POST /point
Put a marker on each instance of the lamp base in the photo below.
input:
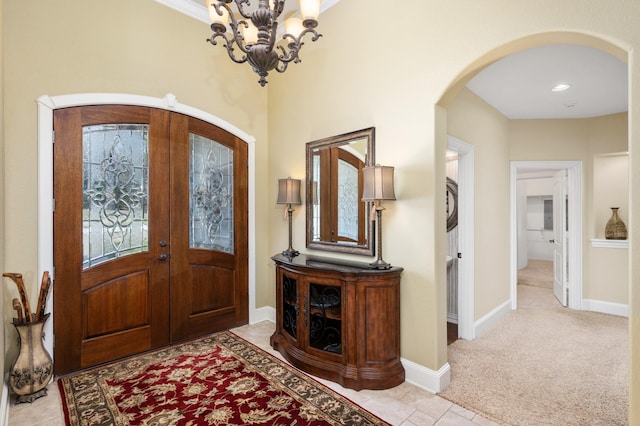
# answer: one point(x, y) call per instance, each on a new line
point(380, 264)
point(290, 252)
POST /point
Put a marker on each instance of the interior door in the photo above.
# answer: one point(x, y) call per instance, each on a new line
point(560, 281)
point(148, 248)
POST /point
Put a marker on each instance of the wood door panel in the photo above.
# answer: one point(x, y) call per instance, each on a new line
point(107, 348)
point(117, 305)
point(212, 289)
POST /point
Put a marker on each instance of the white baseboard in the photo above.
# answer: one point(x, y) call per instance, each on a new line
point(4, 401)
point(610, 308)
point(266, 313)
point(426, 378)
point(452, 318)
point(487, 321)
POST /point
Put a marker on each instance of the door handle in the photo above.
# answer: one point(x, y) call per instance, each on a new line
point(163, 257)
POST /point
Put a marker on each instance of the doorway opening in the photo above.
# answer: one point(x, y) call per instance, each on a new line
point(460, 240)
point(546, 228)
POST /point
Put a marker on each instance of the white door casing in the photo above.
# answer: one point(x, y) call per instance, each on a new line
point(466, 288)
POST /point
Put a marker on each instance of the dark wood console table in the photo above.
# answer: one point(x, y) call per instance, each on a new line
point(339, 320)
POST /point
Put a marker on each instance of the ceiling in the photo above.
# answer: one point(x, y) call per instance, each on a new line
point(519, 85)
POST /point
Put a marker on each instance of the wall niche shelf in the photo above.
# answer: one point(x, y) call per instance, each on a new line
point(339, 320)
point(602, 243)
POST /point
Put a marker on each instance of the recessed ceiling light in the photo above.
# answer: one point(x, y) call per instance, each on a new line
point(560, 87)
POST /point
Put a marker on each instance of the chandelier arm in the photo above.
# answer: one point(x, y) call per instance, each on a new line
point(240, 5)
point(229, 46)
point(237, 34)
point(278, 7)
point(295, 45)
point(282, 66)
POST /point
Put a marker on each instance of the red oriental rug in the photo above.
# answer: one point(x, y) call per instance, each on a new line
point(218, 380)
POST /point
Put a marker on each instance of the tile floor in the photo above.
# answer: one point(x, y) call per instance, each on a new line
point(404, 405)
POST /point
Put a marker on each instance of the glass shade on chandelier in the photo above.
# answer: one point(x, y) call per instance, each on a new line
point(378, 186)
point(254, 32)
point(289, 193)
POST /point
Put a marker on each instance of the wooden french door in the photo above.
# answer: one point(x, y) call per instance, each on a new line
point(150, 232)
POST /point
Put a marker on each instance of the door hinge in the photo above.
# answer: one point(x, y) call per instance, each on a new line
point(53, 136)
point(459, 255)
point(53, 205)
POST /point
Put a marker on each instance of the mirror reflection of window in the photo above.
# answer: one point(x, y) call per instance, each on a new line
point(347, 201)
point(315, 197)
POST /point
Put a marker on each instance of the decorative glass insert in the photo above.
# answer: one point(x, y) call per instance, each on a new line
point(347, 200)
point(115, 182)
point(315, 196)
point(211, 195)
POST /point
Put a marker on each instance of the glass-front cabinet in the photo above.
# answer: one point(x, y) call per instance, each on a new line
point(325, 320)
point(311, 313)
point(339, 321)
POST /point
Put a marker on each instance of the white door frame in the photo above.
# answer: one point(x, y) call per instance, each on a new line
point(574, 244)
point(46, 106)
point(466, 292)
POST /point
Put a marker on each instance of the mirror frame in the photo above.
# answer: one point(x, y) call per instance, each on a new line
point(334, 141)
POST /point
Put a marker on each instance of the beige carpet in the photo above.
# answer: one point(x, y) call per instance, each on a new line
point(545, 365)
point(538, 273)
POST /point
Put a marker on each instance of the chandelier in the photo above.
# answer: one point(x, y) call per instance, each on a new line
point(255, 32)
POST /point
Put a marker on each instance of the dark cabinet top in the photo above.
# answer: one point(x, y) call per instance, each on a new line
point(331, 264)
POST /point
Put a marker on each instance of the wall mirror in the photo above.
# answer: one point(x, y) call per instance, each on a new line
point(337, 218)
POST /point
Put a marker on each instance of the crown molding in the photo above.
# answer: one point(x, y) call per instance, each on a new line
point(199, 11)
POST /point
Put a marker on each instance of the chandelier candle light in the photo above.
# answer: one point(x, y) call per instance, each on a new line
point(255, 32)
point(378, 186)
point(289, 193)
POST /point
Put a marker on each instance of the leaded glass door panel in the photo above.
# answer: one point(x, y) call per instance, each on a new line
point(149, 247)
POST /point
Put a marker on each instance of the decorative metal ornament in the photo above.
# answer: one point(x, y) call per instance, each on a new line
point(262, 53)
point(452, 204)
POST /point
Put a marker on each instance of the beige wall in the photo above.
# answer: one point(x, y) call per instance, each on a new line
point(473, 121)
point(2, 214)
point(134, 47)
point(404, 86)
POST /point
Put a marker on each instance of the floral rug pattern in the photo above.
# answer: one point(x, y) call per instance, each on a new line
point(218, 380)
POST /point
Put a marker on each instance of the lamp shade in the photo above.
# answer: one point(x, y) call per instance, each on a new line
point(289, 191)
point(378, 183)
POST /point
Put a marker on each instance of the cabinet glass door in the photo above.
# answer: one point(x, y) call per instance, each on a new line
point(325, 318)
point(290, 305)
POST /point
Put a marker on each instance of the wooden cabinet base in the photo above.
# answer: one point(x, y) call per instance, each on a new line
point(339, 321)
point(349, 376)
